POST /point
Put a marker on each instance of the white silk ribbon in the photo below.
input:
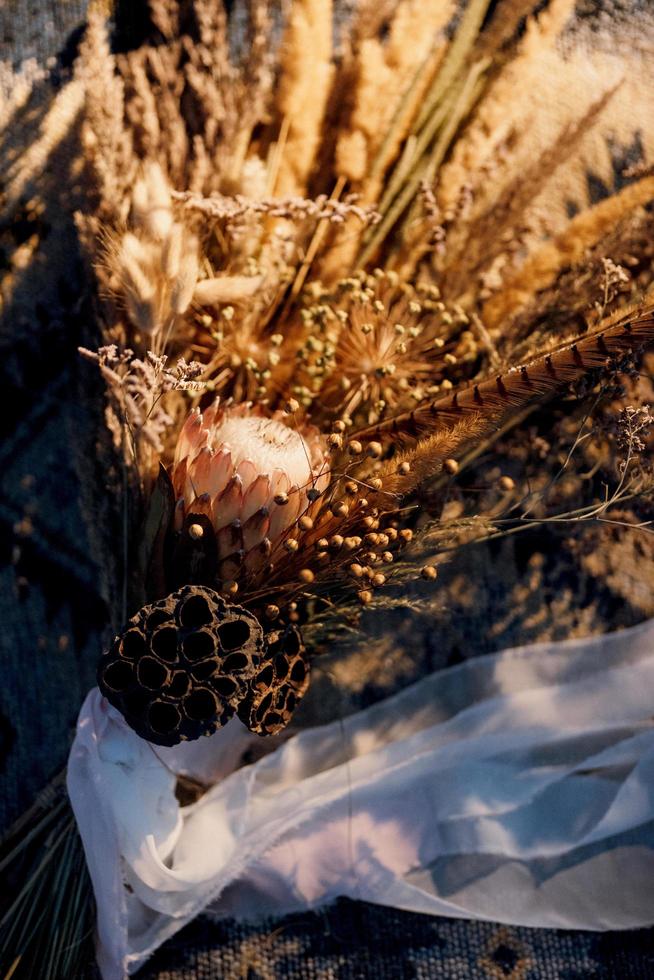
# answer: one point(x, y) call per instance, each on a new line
point(517, 787)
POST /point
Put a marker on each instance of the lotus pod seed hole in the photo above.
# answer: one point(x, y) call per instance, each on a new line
point(298, 671)
point(118, 676)
point(235, 662)
point(164, 644)
point(234, 634)
point(151, 673)
point(292, 643)
point(156, 618)
point(133, 644)
point(178, 685)
point(265, 704)
point(196, 612)
point(199, 645)
point(201, 705)
point(203, 670)
point(265, 678)
point(281, 666)
point(225, 686)
point(163, 718)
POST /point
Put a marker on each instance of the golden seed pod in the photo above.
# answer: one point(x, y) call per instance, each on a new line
point(195, 531)
point(505, 483)
point(281, 499)
point(365, 596)
point(429, 572)
point(335, 441)
point(339, 509)
point(376, 483)
point(391, 533)
point(406, 534)
point(374, 450)
point(230, 587)
point(387, 557)
point(305, 523)
point(291, 406)
point(451, 466)
point(338, 426)
point(336, 542)
point(312, 494)
point(354, 447)
point(306, 575)
point(351, 488)
point(272, 611)
point(291, 545)
point(378, 579)
point(356, 569)
point(322, 543)
point(404, 468)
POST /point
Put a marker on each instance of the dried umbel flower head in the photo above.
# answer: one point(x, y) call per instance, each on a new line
point(375, 345)
point(244, 480)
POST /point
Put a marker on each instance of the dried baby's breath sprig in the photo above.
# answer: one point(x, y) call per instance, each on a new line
point(136, 387)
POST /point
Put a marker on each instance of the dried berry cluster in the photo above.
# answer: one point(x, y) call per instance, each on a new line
point(184, 665)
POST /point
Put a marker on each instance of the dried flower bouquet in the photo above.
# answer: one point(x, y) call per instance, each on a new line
point(334, 259)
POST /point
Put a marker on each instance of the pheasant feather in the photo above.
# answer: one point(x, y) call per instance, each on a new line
point(494, 400)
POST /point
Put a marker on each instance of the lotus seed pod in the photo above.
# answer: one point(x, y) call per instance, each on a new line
point(280, 684)
point(181, 666)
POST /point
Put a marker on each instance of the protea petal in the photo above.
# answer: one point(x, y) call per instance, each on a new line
point(247, 472)
point(229, 539)
point(283, 516)
point(227, 507)
point(256, 529)
point(257, 496)
point(189, 434)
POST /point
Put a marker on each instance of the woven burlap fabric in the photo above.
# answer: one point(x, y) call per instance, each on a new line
point(54, 586)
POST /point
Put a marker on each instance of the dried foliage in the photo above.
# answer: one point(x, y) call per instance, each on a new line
point(247, 185)
point(339, 258)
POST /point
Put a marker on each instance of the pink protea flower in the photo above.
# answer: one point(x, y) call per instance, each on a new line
point(251, 477)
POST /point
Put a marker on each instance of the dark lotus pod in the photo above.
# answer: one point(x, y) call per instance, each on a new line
point(278, 686)
point(181, 666)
